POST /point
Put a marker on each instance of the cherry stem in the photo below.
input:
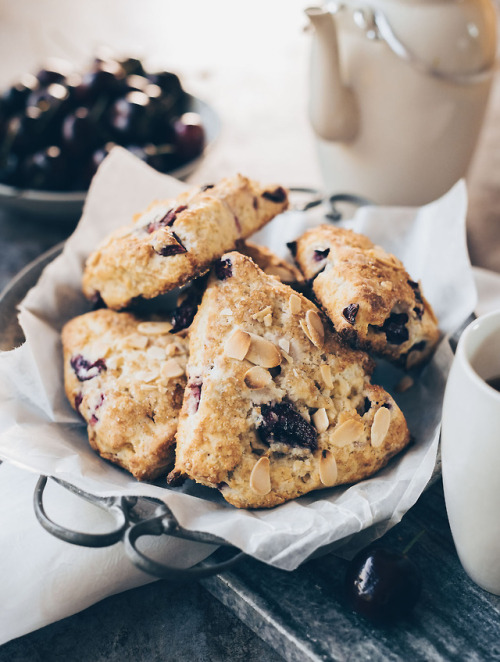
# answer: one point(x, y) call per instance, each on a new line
point(413, 541)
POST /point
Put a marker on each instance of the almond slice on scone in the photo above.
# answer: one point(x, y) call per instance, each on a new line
point(275, 411)
point(368, 294)
point(126, 377)
point(175, 241)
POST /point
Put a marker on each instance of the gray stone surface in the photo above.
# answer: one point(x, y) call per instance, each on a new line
point(159, 621)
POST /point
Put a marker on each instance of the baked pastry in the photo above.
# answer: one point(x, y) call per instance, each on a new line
point(276, 405)
point(270, 263)
point(190, 297)
point(175, 241)
point(126, 377)
point(367, 294)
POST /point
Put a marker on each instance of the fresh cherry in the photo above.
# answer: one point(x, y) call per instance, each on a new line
point(47, 169)
point(80, 135)
point(382, 584)
point(14, 98)
point(189, 136)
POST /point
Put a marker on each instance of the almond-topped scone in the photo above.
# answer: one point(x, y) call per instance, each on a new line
point(190, 297)
point(175, 241)
point(276, 405)
point(367, 293)
point(126, 377)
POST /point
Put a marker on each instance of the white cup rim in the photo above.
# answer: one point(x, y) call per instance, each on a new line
point(464, 349)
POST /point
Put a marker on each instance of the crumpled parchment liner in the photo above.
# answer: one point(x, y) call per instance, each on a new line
point(40, 431)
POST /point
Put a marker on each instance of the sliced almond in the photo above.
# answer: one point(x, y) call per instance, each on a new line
point(146, 375)
point(380, 426)
point(320, 420)
point(284, 343)
point(315, 327)
point(237, 345)
point(295, 304)
point(154, 328)
point(171, 369)
point(156, 353)
point(136, 342)
point(347, 433)
point(326, 375)
point(262, 313)
point(148, 387)
point(260, 478)
point(328, 469)
point(257, 377)
point(263, 352)
point(281, 272)
point(268, 320)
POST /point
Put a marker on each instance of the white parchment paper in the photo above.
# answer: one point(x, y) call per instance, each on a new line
point(39, 430)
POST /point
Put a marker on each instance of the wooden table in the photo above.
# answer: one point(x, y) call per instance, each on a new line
point(250, 62)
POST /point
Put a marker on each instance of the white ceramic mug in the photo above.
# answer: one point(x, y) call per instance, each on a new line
point(470, 440)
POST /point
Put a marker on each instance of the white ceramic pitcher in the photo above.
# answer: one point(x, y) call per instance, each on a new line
point(399, 89)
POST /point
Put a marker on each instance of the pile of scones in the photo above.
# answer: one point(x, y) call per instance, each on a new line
point(258, 382)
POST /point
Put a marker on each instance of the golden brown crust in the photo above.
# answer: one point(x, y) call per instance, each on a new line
point(174, 241)
point(368, 295)
point(126, 377)
point(270, 263)
point(246, 325)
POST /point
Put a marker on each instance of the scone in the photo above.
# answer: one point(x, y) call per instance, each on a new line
point(190, 297)
point(270, 263)
point(368, 295)
point(276, 405)
point(126, 377)
point(175, 241)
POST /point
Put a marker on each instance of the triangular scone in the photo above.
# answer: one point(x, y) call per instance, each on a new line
point(174, 241)
point(368, 295)
point(126, 377)
point(270, 263)
point(276, 405)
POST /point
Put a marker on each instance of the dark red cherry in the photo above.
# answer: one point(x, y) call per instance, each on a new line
point(25, 132)
point(54, 71)
point(129, 118)
point(80, 134)
point(382, 584)
point(15, 98)
point(106, 81)
point(47, 170)
point(189, 136)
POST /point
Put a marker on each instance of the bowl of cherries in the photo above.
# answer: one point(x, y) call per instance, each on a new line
point(56, 127)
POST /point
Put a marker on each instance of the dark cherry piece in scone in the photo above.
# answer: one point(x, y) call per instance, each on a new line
point(368, 295)
point(126, 377)
point(175, 241)
point(276, 405)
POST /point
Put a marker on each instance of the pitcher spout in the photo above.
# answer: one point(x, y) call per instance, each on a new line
point(333, 109)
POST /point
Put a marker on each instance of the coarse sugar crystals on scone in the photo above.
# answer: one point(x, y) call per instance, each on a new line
point(175, 241)
point(368, 294)
point(126, 377)
point(275, 405)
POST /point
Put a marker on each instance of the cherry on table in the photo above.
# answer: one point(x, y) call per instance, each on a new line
point(382, 584)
